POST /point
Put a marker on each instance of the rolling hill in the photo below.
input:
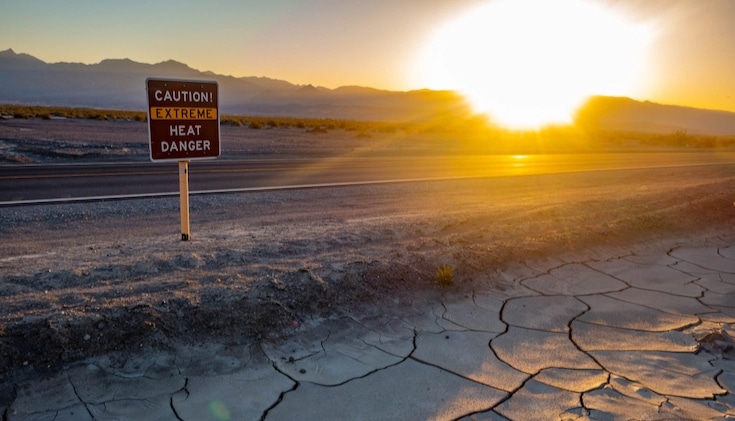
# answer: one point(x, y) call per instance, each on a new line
point(619, 113)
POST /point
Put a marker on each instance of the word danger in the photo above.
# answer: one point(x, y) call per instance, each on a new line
point(185, 146)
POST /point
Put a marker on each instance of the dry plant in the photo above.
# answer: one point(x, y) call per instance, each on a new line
point(444, 275)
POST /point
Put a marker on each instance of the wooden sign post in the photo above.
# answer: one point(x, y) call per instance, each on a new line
point(184, 200)
point(183, 125)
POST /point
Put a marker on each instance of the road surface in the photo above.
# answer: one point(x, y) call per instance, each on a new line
point(27, 184)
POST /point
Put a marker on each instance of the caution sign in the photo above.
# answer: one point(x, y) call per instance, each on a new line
point(183, 120)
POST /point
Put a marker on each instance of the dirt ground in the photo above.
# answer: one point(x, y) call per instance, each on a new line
point(85, 279)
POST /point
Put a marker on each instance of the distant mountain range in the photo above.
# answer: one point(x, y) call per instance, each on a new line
point(120, 84)
point(617, 113)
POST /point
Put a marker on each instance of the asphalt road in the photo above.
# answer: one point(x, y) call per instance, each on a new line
point(27, 184)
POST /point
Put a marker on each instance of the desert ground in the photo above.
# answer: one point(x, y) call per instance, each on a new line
point(85, 279)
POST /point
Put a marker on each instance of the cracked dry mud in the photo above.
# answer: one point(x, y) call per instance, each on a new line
point(622, 350)
point(604, 295)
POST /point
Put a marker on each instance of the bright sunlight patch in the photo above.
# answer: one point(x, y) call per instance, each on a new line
point(529, 63)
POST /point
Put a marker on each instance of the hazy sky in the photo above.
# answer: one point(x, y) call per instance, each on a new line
point(690, 59)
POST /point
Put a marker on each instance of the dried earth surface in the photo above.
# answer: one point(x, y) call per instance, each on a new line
point(111, 278)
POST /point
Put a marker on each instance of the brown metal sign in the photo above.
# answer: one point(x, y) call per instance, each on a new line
point(183, 119)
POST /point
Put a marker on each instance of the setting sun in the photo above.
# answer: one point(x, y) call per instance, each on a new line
point(529, 63)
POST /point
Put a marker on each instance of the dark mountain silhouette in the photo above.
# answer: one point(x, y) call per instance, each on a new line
point(22, 61)
point(620, 113)
point(120, 84)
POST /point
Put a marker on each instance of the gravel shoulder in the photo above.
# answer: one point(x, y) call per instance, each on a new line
point(85, 279)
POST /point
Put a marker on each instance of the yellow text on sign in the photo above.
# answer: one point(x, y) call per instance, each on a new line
point(183, 113)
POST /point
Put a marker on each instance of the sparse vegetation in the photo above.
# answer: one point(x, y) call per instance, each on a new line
point(471, 135)
point(313, 125)
point(444, 275)
point(47, 113)
point(317, 130)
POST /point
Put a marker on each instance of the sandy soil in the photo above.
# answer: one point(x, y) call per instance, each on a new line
point(112, 277)
point(81, 140)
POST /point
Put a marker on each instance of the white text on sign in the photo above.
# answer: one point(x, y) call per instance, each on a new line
point(185, 96)
point(185, 146)
point(182, 130)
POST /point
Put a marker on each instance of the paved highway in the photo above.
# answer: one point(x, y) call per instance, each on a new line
point(26, 184)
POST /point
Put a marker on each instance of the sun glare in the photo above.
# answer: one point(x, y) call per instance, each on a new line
point(530, 63)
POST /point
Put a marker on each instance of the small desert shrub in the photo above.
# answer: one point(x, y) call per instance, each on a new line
point(316, 130)
point(444, 275)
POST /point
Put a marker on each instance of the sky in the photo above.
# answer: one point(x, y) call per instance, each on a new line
point(686, 53)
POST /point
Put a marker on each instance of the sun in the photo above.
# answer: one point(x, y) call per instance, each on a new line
point(530, 63)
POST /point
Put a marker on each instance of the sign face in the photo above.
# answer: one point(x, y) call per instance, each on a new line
point(183, 120)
